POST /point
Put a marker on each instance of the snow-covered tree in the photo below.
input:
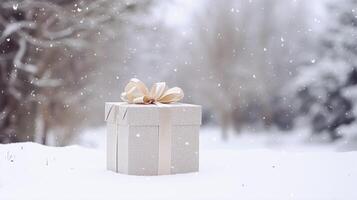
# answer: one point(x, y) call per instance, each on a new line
point(48, 53)
point(326, 85)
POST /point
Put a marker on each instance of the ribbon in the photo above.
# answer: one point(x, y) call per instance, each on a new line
point(165, 134)
point(136, 92)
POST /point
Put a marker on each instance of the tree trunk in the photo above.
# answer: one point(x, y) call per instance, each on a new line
point(225, 125)
point(44, 133)
point(42, 123)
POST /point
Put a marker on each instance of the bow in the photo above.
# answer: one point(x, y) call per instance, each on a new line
point(136, 92)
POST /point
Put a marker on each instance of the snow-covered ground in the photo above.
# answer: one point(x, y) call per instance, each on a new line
point(247, 167)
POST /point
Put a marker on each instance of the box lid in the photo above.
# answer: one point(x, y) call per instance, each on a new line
point(139, 114)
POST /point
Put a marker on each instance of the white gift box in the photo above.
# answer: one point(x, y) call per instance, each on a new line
point(154, 139)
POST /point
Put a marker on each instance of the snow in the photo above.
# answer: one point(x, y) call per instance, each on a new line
point(227, 171)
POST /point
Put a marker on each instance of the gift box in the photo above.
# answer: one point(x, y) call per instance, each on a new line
point(152, 139)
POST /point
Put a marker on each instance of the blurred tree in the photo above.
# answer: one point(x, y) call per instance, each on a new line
point(327, 86)
point(47, 54)
point(242, 57)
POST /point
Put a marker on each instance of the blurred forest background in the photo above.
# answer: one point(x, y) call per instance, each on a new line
point(251, 64)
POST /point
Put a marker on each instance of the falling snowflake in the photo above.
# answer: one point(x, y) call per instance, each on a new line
point(15, 6)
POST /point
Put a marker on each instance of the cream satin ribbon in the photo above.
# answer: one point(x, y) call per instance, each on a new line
point(136, 92)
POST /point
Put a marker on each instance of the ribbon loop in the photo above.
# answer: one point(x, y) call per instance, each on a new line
point(136, 92)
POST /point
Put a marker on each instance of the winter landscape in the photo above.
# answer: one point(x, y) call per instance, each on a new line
point(277, 82)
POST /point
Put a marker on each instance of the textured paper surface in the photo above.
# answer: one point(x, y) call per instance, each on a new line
point(143, 151)
point(111, 147)
point(185, 149)
point(134, 149)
